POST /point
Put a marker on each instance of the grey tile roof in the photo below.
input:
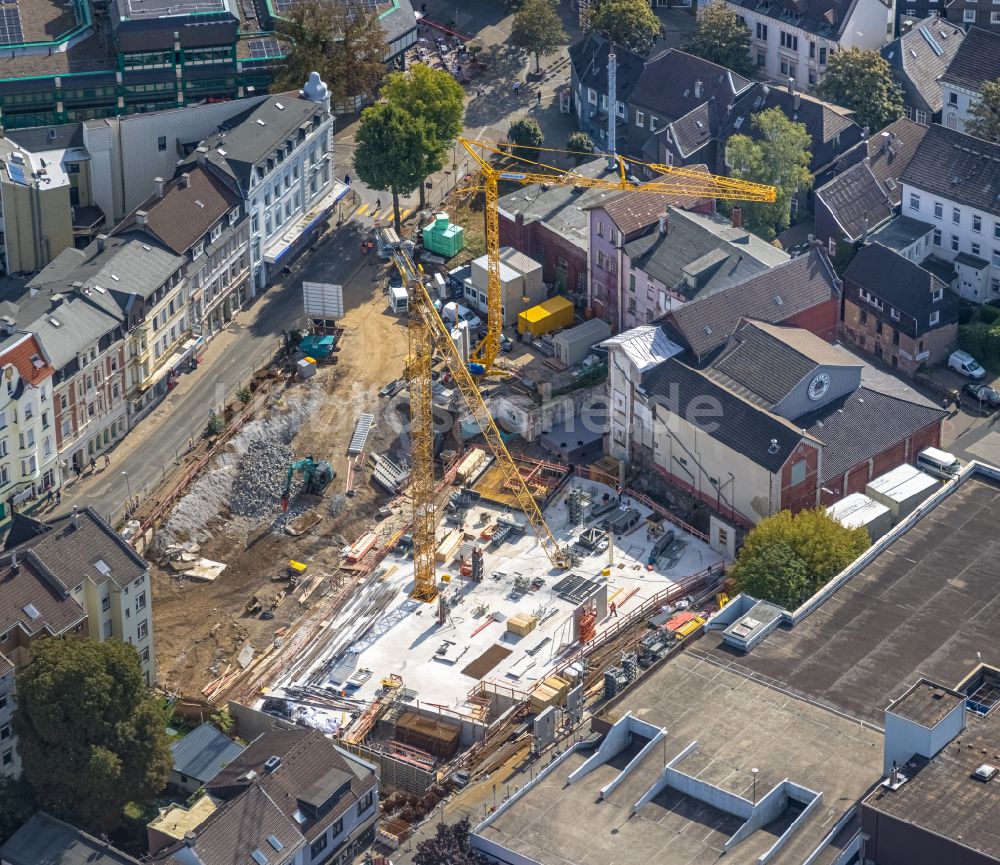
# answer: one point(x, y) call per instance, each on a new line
point(856, 200)
point(822, 17)
point(589, 57)
point(801, 283)
point(44, 840)
point(695, 129)
point(735, 253)
point(744, 427)
point(864, 424)
point(977, 60)
point(38, 138)
point(667, 85)
point(633, 212)
point(957, 167)
point(903, 284)
point(33, 585)
point(203, 753)
point(920, 57)
point(71, 553)
point(766, 367)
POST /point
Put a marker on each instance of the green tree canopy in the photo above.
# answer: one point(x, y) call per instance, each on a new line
point(721, 38)
point(346, 47)
point(984, 119)
point(438, 100)
point(91, 738)
point(527, 135)
point(862, 81)
point(449, 844)
point(392, 151)
point(787, 557)
point(580, 144)
point(538, 29)
point(632, 24)
point(778, 155)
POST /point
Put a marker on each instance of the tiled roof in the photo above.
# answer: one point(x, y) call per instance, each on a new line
point(976, 60)
point(43, 840)
point(589, 57)
point(709, 247)
point(767, 368)
point(902, 284)
point(958, 168)
point(901, 233)
point(744, 427)
point(185, 212)
point(203, 753)
point(801, 283)
point(864, 424)
point(27, 356)
point(667, 86)
point(890, 151)
point(920, 57)
point(635, 211)
point(695, 129)
point(72, 553)
point(822, 17)
point(856, 200)
point(33, 599)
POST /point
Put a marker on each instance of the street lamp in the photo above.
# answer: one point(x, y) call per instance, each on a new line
point(754, 772)
point(128, 486)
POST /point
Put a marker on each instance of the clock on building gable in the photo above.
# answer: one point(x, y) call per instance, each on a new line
point(819, 385)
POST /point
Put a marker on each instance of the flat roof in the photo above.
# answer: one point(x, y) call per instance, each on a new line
point(136, 10)
point(90, 54)
point(904, 482)
point(926, 703)
point(740, 725)
point(856, 510)
point(942, 797)
point(921, 609)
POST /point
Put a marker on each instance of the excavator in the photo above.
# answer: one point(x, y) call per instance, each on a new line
point(316, 474)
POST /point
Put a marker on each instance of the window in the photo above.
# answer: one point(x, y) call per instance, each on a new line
point(953, 99)
point(161, 143)
point(822, 55)
point(631, 282)
point(198, 249)
point(937, 236)
point(4, 732)
point(640, 119)
point(789, 69)
point(996, 257)
point(337, 828)
point(144, 654)
point(612, 236)
point(812, 77)
point(3, 698)
point(996, 230)
point(318, 846)
point(620, 109)
point(956, 216)
point(140, 601)
point(954, 243)
point(969, 16)
point(599, 227)
point(994, 17)
point(938, 210)
point(894, 314)
point(920, 117)
point(974, 249)
point(798, 472)
point(977, 223)
point(935, 318)
point(105, 603)
point(8, 757)
point(761, 59)
point(761, 31)
point(812, 50)
point(914, 201)
point(143, 630)
point(366, 803)
point(652, 123)
point(592, 96)
point(789, 41)
point(937, 294)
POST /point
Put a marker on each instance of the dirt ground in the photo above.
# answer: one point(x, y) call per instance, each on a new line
point(201, 627)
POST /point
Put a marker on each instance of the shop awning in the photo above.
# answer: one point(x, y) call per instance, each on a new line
point(304, 223)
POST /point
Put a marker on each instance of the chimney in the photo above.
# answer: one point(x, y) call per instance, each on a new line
point(796, 101)
point(791, 84)
point(75, 519)
point(159, 186)
point(141, 217)
point(15, 568)
point(8, 325)
point(893, 775)
point(186, 178)
point(737, 216)
point(697, 89)
point(664, 223)
point(102, 242)
point(202, 152)
point(190, 838)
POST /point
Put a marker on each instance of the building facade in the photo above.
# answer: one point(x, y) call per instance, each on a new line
point(976, 61)
point(918, 58)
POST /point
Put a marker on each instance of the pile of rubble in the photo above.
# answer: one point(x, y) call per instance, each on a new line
point(258, 484)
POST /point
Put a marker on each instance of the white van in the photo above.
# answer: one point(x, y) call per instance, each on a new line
point(939, 463)
point(452, 313)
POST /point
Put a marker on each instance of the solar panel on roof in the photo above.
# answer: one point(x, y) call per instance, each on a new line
point(931, 41)
point(11, 32)
point(16, 173)
point(260, 48)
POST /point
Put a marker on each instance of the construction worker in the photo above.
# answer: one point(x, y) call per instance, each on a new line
point(614, 610)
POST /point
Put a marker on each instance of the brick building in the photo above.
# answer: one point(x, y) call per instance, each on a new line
point(895, 310)
point(780, 419)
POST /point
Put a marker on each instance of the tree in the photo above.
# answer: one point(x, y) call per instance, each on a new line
point(345, 46)
point(862, 81)
point(984, 119)
point(436, 98)
point(526, 134)
point(629, 23)
point(580, 144)
point(538, 29)
point(787, 557)
point(91, 738)
point(391, 152)
point(721, 38)
point(17, 804)
point(450, 845)
point(778, 155)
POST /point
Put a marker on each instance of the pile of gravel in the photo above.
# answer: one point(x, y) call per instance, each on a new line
point(258, 484)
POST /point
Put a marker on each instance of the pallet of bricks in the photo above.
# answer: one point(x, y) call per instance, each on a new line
point(434, 735)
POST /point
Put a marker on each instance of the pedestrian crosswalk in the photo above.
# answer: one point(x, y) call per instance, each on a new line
point(384, 215)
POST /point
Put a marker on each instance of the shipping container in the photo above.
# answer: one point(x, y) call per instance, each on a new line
point(553, 314)
point(574, 344)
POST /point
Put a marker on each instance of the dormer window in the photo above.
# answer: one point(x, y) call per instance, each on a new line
point(937, 295)
point(198, 249)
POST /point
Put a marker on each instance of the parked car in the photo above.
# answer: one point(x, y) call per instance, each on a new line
point(983, 394)
point(965, 364)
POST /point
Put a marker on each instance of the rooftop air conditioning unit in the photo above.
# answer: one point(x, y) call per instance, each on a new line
point(985, 773)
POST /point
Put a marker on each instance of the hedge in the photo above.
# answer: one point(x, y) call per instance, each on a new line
point(982, 341)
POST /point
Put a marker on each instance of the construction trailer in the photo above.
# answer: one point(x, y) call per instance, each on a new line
point(399, 300)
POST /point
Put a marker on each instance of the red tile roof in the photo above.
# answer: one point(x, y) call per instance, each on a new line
point(27, 356)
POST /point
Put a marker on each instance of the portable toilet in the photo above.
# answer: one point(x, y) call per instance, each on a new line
point(399, 300)
point(440, 285)
point(444, 238)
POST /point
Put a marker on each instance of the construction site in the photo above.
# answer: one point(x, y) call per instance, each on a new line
point(421, 550)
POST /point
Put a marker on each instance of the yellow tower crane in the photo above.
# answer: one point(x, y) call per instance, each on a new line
point(676, 181)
